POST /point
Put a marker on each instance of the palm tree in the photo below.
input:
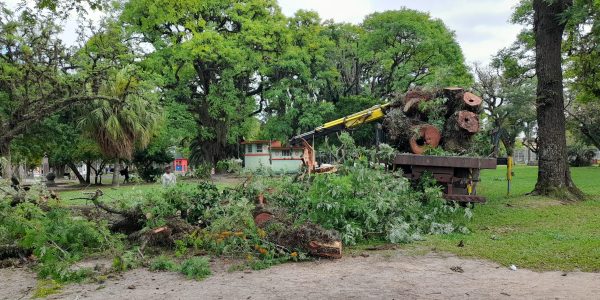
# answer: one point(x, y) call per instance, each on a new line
point(119, 127)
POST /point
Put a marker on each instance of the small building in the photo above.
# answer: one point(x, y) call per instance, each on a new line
point(263, 154)
point(180, 165)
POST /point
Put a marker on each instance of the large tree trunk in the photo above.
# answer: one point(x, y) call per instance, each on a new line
point(509, 145)
point(554, 177)
point(88, 171)
point(5, 153)
point(116, 171)
point(73, 168)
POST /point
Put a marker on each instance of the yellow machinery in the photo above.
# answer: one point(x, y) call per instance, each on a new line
point(372, 114)
point(458, 175)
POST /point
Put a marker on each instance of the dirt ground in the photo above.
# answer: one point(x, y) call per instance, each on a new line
point(392, 274)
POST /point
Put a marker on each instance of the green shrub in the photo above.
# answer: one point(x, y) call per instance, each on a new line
point(197, 268)
point(163, 263)
point(202, 171)
point(580, 155)
point(231, 166)
point(127, 261)
point(146, 161)
point(192, 202)
point(57, 238)
point(364, 203)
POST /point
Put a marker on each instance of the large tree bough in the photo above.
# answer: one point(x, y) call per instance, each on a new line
point(132, 224)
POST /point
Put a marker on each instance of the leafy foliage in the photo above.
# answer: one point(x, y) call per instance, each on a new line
point(163, 263)
point(407, 47)
point(57, 238)
point(146, 163)
point(580, 155)
point(229, 166)
point(192, 202)
point(196, 268)
point(363, 202)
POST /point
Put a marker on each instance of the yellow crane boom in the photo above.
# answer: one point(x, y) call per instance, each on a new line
point(372, 114)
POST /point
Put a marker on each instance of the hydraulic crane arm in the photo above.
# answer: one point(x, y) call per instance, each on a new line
point(372, 114)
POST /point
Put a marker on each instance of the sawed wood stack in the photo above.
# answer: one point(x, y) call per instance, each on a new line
point(421, 120)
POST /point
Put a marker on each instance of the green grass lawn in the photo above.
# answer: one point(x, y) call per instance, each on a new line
point(532, 232)
point(123, 192)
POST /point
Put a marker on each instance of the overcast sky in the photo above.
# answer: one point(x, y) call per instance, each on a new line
point(481, 26)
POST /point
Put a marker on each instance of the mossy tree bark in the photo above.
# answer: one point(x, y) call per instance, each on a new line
point(554, 177)
point(5, 153)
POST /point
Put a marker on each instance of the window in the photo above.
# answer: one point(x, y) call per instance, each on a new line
point(286, 153)
point(249, 148)
point(259, 148)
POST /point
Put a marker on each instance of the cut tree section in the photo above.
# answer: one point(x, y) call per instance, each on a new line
point(468, 121)
point(413, 98)
point(428, 137)
point(471, 99)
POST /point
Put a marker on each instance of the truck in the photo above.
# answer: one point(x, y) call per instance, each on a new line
point(459, 175)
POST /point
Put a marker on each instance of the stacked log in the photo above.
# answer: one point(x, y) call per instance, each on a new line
point(413, 126)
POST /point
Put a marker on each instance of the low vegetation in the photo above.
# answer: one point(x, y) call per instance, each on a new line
point(361, 202)
point(196, 268)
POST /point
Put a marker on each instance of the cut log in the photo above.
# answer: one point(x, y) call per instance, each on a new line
point(472, 100)
point(397, 126)
point(262, 218)
point(428, 136)
point(308, 237)
point(409, 125)
point(412, 100)
point(13, 251)
point(458, 99)
point(328, 250)
point(468, 121)
point(458, 131)
point(452, 93)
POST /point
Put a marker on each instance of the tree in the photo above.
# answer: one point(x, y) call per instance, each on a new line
point(119, 127)
point(583, 49)
point(175, 133)
point(214, 56)
point(554, 177)
point(298, 98)
point(585, 122)
point(508, 104)
point(37, 75)
point(344, 56)
point(403, 48)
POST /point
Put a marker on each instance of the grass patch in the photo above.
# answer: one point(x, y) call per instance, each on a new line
point(196, 268)
point(45, 288)
point(531, 232)
point(163, 263)
point(111, 194)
